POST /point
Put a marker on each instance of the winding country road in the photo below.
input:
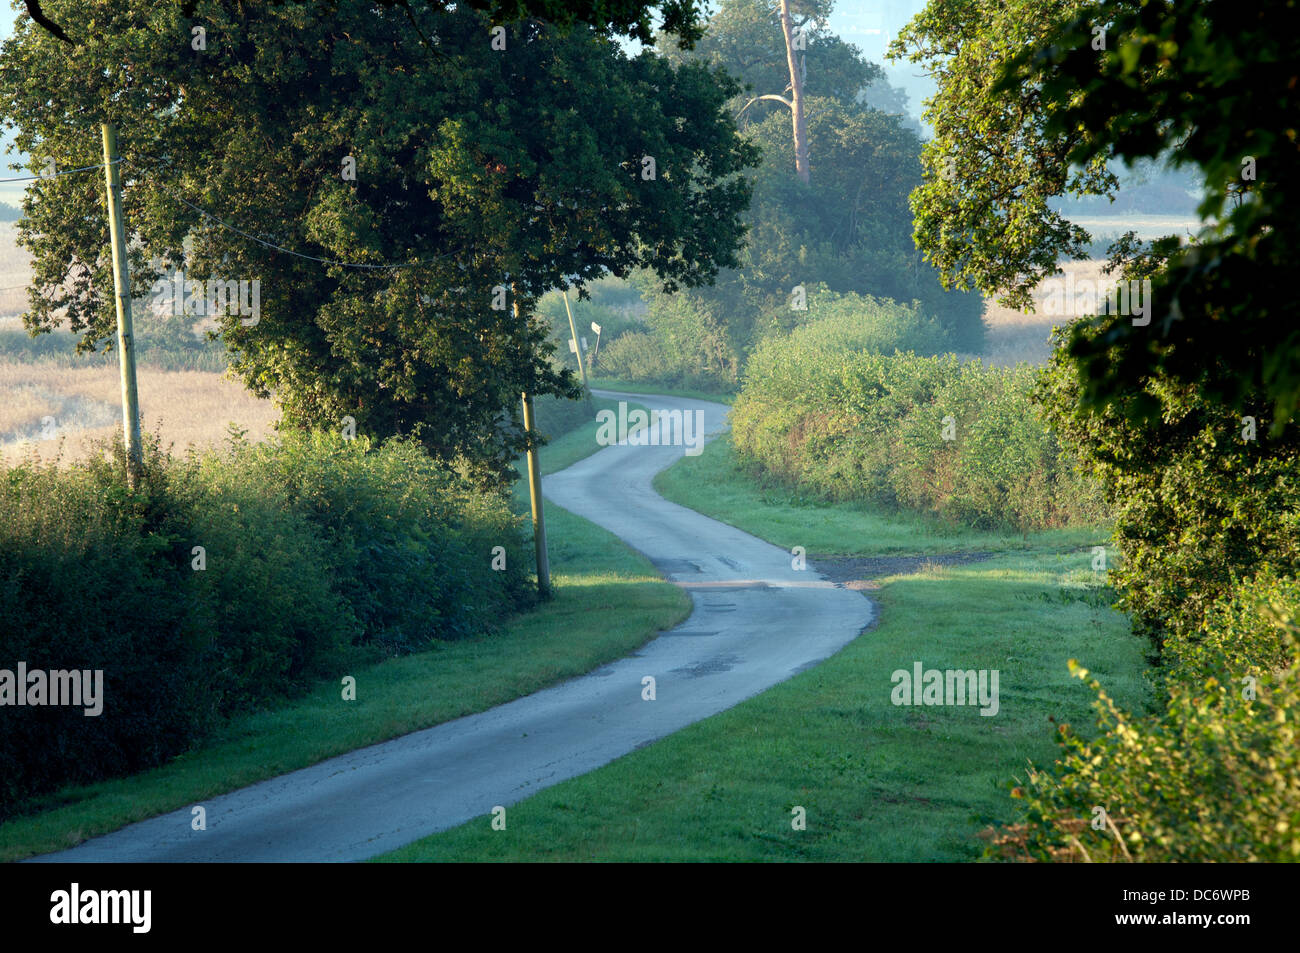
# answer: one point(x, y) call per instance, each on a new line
point(756, 622)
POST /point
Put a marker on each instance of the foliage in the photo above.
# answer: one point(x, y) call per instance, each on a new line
point(643, 357)
point(1215, 776)
point(1033, 102)
point(1197, 503)
point(315, 549)
point(611, 308)
point(632, 18)
point(820, 414)
point(849, 229)
point(1230, 293)
point(1039, 98)
point(474, 168)
point(982, 214)
point(745, 38)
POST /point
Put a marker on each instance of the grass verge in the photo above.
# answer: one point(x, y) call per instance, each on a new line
point(878, 782)
point(713, 484)
point(609, 601)
point(641, 387)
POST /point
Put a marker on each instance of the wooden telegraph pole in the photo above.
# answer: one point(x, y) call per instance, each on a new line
point(535, 486)
point(122, 286)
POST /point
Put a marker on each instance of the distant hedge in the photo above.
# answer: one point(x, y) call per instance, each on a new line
point(317, 552)
point(686, 344)
point(957, 439)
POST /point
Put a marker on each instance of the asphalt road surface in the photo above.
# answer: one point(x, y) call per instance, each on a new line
point(757, 621)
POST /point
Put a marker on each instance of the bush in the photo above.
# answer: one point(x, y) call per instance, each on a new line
point(643, 357)
point(1214, 777)
point(88, 583)
point(1207, 515)
point(314, 549)
point(842, 424)
point(852, 322)
point(1196, 506)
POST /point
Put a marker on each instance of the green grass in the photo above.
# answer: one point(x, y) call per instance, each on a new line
point(641, 387)
point(713, 484)
point(566, 450)
point(878, 782)
point(609, 601)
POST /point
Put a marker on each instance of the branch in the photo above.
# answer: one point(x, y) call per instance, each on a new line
point(36, 13)
point(780, 99)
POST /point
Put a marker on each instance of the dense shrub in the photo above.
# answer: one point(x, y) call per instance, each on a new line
point(644, 357)
point(1215, 776)
point(853, 322)
point(844, 424)
point(1208, 525)
point(1197, 505)
point(315, 550)
point(87, 582)
point(685, 344)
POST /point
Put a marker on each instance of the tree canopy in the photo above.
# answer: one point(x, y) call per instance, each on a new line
point(848, 229)
point(629, 17)
point(1036, 96)
point(476, 170)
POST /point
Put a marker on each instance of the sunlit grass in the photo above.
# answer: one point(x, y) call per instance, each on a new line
point(878, 782)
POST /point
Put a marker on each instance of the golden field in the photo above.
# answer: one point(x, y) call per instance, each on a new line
point(1015, 336)
point(187, 408)
point(56, 411)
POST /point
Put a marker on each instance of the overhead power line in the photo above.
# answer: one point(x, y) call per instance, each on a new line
point(51, 175)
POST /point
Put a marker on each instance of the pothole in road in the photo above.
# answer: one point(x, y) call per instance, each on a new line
point(670, 566)
point(713, 666)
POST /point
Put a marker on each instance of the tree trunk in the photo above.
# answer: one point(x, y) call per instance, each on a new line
point(796, 97)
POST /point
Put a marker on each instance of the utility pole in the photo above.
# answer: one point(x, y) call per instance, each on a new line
point(122, 287)
point(535, 496)
point(535, 485)
point(577, 349)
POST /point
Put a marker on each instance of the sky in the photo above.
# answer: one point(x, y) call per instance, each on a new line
point(869, 24)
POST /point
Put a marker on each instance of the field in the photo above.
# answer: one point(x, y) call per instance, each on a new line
point(197, 407)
